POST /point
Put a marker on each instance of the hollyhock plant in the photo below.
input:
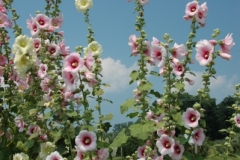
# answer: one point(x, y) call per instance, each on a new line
point(32, 24)
point(89, 61)
point(54, 156)
point(43, 21)
point(37, 43)
point(204, 52)
point(237, 120)
point(227, 43)
point(22, 44)
point(192, 8)
point(70, 79)
point(86, 141)
point(178, 68)
point(94, 47)
point(162, 131)
point(158, 53)
point(4, 21)
point(179, 51)
point(155, 41)
point(202, 14)
point(198, 136)
point(178, 150)
point(20, 156)
point(56, 22)
point(80, 155)
point(53, 49)
point(191, 82)
point(133, 44)
point(165, 144)
point(83, 5)
point(103, 154)
point(141, 153)
point(19, 123)
point(42, 71)
point(191, 118)
point(143, 2)
point(46, 148)
point(65, 51)
point(3, 60)
point(73, 62)
point(33, 129)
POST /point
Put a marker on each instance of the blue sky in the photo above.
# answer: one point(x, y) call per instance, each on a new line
point(113, 23)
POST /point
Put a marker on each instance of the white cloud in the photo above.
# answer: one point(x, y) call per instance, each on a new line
point(220, 87)
point(117, 74)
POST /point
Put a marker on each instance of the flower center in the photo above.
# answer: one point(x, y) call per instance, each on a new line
point(41, 22)
point(87, 141)
point(74, 64)
point(52, 50)
point(193, 118)
point(84, 3)
point(179, 68)
point(167, 145)
point(34, 28)
point(238, 121)
point(177, 149)
point(94, 48)
point(206, 55)
point(200, 15)
point(193, 9)
point(36, 45)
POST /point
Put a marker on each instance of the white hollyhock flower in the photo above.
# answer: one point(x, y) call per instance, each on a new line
point(54, 156)
point(22, 44)
point(86, 141)
point(83, 5)
point(20, 156)
point(95, 48)
point(46, 148)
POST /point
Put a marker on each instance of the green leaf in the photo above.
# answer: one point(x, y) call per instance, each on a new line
point(203, 123)
point(99, 92)
point(106, 126)
point(41, 103)
point(107, 100)
point(108, 117)
point(72, 114)
point(142, 131)
point(47, 115)
point(101, 144)
point(212, 151)
point(126, 105)
point(132, 115)
point(187, 156)
point(28, 144)
point(223, 130)
point(34, 135)
point(155, 73)
point(145, 86)
point(56, 135)
point(192, 73)
point(134, 75)
point(155, 93)
point(120, 139)
point(178, 118)
point(179, 85)
point(182, 140)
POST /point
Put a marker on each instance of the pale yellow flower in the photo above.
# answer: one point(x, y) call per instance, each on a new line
point(83, 5)
point(23, 43)
point(46, 149)
point(95, 48)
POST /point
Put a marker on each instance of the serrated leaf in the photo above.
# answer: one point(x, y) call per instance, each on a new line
point(120, 139)
point(159, 126)
point(145, 86)
point(101, 144)
point(134, 75)
point(182, 140)
point(99, 92)
point(72, 114)
point(132, 115)
point(142, 131)
point(41, 103)
point(178, 118)
point(126, 105)
point(155, 73)
point(179, 85)
point(108, 117)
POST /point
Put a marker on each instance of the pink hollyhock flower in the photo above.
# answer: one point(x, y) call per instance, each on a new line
point(4, 21)
point(3, 60)
point(225, 55)
point(165, 144)
point(159, 157)
point(2, 8)
point(140, 152)
point(178, 68)
point(178, 151)
point(70, 79)
point(143, 2)
point(204, 52)
point(8, 135)
point(237, 120)
point(56, 22)
point(133, 45)
point(103, 154)
point(53, 49)
point(202, 14)
point(226, 44)
point(45, 84)
point(80, 155)
point(198, 136)
point(73, 62)
point(192, 8)
point(43, 21)
point(86, 141)
point(63, 49)
point(33, 129)
point(179, 51)
point(190, 118)
point(162, 70)
point(19, 123)
point(191, 82)
point(43, 137)
point(158, 54)
point(147, 49)
point(213, 42)
point(150, 115)
point(22, 85)
point(54, 156)
point(89, 61)
point(155, 41)
point(32, 24)
point(162, 131)
point(90, 78)
point(42, 72)
point(37, 43)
